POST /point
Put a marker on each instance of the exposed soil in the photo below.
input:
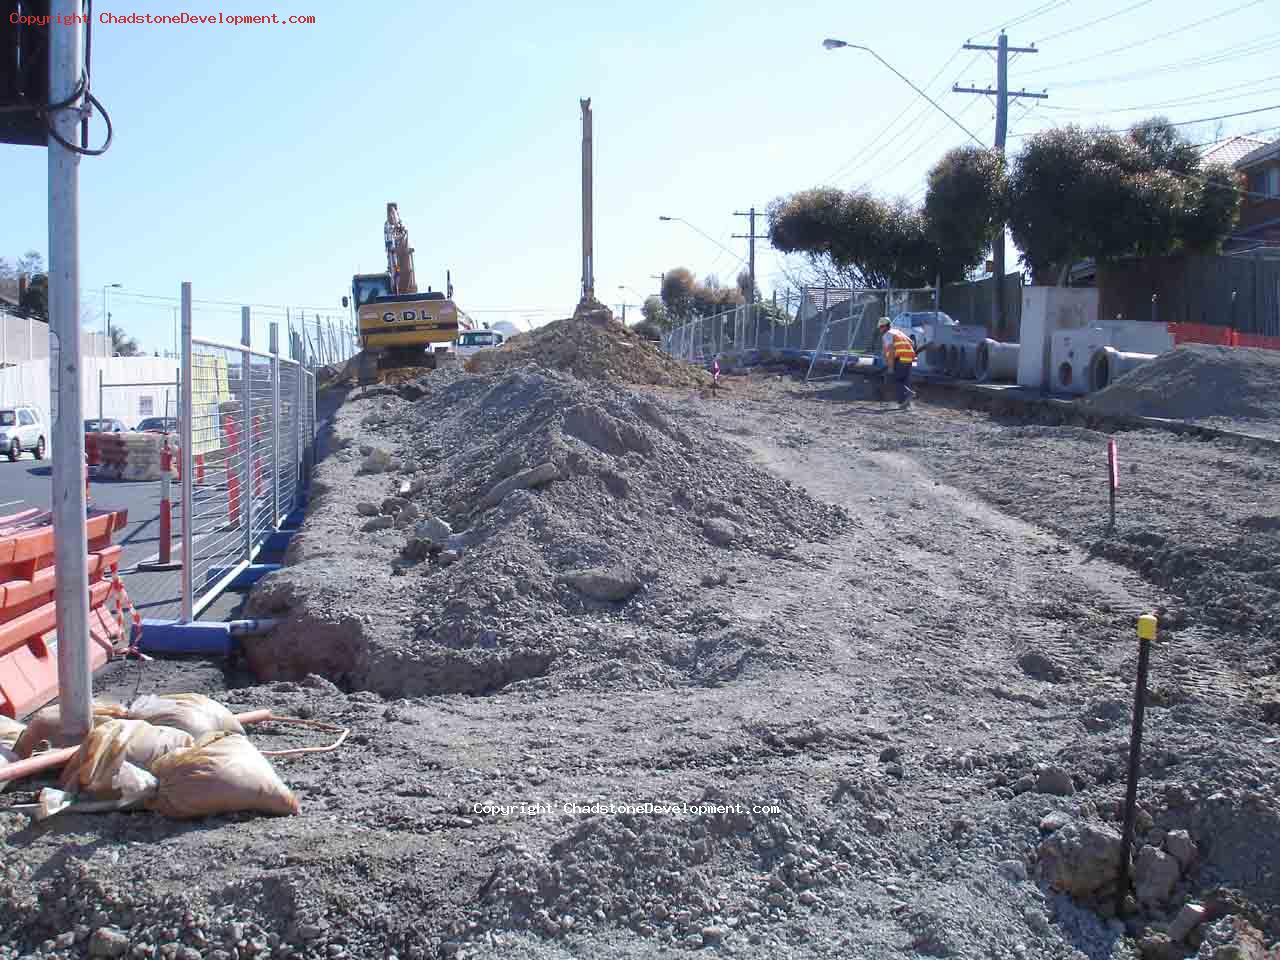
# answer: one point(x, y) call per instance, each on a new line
point(912, 640)
point(591, 347)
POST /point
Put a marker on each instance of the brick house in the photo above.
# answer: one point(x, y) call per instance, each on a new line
point(1259, 226)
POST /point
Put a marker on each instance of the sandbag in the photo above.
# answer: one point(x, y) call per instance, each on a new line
point(192, 712)
point(93, 769)
point(222, 773)
point(45, 727)
point(7, 755)
point(10, 731)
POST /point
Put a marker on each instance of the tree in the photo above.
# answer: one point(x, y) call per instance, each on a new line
point(684, 298)
point(1077, 193)
point(122, 345)
point(31, 263)
point(964, 207)
point(874, 242)
point(677, 293)
point(655, 314)
point(35, 299)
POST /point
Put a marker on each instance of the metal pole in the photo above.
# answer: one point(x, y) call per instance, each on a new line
point(99, 398)
point(186, 426)
point(71, 589)
point(275, 423)
point(246, 432)
point(300, 419)
point(1147, 625)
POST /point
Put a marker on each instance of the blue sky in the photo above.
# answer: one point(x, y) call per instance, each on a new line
point(256, 161)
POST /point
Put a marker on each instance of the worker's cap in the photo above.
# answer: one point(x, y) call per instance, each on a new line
point(884, 322)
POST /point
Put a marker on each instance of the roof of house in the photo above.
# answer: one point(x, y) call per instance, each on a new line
point(1268, 151)
point(1230, 150)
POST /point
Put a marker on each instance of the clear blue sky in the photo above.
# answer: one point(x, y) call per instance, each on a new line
point(256, 161)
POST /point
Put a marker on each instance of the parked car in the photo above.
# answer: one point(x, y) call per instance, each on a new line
point(105, 425)
point(919, 325)
point(473, 341)
point(158, 425)
point(22, 428)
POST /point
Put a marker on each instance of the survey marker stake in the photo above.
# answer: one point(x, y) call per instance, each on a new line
point(1147, 625)
point(1113, 477)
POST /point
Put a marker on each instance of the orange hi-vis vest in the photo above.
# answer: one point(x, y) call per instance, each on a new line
point(902, 348)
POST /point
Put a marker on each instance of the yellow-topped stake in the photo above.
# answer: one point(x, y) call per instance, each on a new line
point(1147, 626)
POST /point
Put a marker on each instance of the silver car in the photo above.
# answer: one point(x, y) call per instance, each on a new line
point(22, 428)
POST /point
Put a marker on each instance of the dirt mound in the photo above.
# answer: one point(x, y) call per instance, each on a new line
point(1196, 382)
point(536, 529)
point(591, 348)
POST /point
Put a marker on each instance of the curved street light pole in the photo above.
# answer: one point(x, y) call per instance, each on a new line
point(831, 44)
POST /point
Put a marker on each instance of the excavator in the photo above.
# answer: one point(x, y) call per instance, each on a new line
point(399, 326)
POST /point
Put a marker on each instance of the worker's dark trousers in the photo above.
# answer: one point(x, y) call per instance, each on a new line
point(902, 379)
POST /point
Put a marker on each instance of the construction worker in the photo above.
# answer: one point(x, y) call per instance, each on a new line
point(899, 355)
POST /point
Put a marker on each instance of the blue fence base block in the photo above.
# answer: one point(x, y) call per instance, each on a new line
point(294, 520)
point(163, 636)
point(277, 542)
point(246, 578)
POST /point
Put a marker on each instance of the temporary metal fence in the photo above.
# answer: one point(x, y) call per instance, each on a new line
point(822, 323)
point(246, 432)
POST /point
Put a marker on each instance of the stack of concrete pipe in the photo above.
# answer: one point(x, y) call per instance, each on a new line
point(996, 362)
point(1108, 364)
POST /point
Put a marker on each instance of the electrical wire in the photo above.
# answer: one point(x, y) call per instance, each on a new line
point(1189, 123)
point(1091, 23)
point(1144, 42)
point(1228, 54)
point(1030, 15)
point(1205, 97)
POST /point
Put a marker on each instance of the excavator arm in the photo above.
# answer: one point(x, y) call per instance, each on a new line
point(399, 253)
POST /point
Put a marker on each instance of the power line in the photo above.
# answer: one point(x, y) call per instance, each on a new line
point(1185, 123)
point(1085, 26)
point(1232, 54)
point(1204, 97)
point(1031, 14)
point(1142, 43)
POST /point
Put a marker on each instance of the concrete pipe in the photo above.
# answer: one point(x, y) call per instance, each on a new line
point(935, 358)
point(964, 362)
point(1108, 364)
point(996, 362)
point(953, 358)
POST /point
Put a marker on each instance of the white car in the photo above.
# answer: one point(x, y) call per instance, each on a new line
point(919, 325)
point(22, 428)
point(473, 341)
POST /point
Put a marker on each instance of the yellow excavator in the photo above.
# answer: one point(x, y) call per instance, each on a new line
point(400, 327)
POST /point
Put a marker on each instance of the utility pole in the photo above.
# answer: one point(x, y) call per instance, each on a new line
point(68, 494)
point(751, 237)
point(588, 278)
point(1003, 96)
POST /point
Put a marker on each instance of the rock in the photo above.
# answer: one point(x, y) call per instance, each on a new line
point(1013, 870)
point(525, 480)
point(876, 824)
point(1189, 917)
point(1038, 665)
point(1181, 847)
point(409, 466)
point(714, 936)
point(889, 754)
point(434, 530)
point(448, 557)
point(613, 584)
point(1054, 820)
point(393, 505)
point(1024, 784)
point(407, 515)
point(108, 942)
point(377, 523)
point(311, 931)
point(720, 531)
point(1158, 946)
point(377, 461)
point(808, 898)
point(1080, 859)
point(1056, 781)
point(366, 509)
point(1232, 938)
point(1155, 874)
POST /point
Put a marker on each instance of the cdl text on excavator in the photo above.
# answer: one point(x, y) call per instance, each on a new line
point(399, 326)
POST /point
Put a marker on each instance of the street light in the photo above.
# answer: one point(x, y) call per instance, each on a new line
point(706, 235)
point(831, 44)
point(107, 313)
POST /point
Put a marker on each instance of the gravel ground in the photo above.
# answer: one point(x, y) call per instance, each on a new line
point(896, 730)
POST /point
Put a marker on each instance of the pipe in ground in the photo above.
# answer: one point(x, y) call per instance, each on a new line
point(1109, 364)
point(997, 362)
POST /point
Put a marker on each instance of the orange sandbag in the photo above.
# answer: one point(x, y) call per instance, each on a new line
point(92, 771)
point(222, 773)
point(192, 712)
point(10, 731)
point(45, 726)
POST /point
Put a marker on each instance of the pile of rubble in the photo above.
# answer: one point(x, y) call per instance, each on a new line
point(591, 346)
point(508, 526)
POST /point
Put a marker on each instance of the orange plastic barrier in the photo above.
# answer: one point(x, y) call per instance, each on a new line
point(28, 612)
point(1220, 336)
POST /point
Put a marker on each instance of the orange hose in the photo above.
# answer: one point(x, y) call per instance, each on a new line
point(52, 759)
